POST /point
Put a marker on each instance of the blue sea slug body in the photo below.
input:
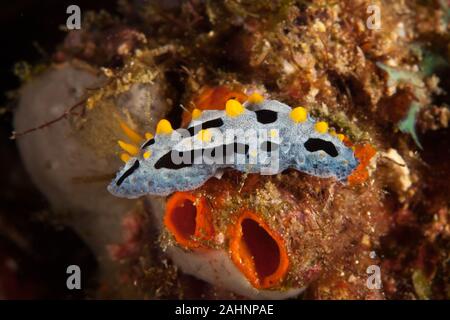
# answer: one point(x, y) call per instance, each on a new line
point(259, 136)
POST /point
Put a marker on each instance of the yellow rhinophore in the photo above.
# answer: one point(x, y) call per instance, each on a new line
point(196, 113)
point(147, 154)
point(125, 157)
point(204, 135)
point(321, 127)
point(130, 148)
point(255, 98)
point(234, 108)
point(164, 127)
point(133, 135)
point(299, 114)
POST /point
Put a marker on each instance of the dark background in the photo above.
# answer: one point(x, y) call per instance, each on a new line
point(26, 23)
point(26, 237)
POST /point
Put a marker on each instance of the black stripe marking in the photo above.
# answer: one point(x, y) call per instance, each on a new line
point(269, 146)
point(127, 173)
point(315, 144)
point(148, 143)
point(214, 123)
point(166, 160)
point(266, 116)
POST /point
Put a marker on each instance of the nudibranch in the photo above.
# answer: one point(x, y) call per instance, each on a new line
point(258, 136)
point(245, 251)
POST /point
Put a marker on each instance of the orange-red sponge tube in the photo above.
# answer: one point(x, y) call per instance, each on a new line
point(258, 251)
point(188, 219)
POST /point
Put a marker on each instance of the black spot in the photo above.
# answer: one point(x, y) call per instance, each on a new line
point(166, 161)
point(148, 143)
point(238, 148)
point(268, 146)
point(214, 123)
point(128, 173)
point(266, 116)
point(314, 144)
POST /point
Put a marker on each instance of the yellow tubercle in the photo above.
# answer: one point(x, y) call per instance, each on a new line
point(273, 133)
point(196, 113)
point(299, 114)
point(125, 157)
point(133, 135)
point(234, 108)
point(204, 135)
point(341, 137)
point(164, 127)
point(130, 148)
point(255, 98)
point(147, 154)
point(321, 127)
point(148, 136)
